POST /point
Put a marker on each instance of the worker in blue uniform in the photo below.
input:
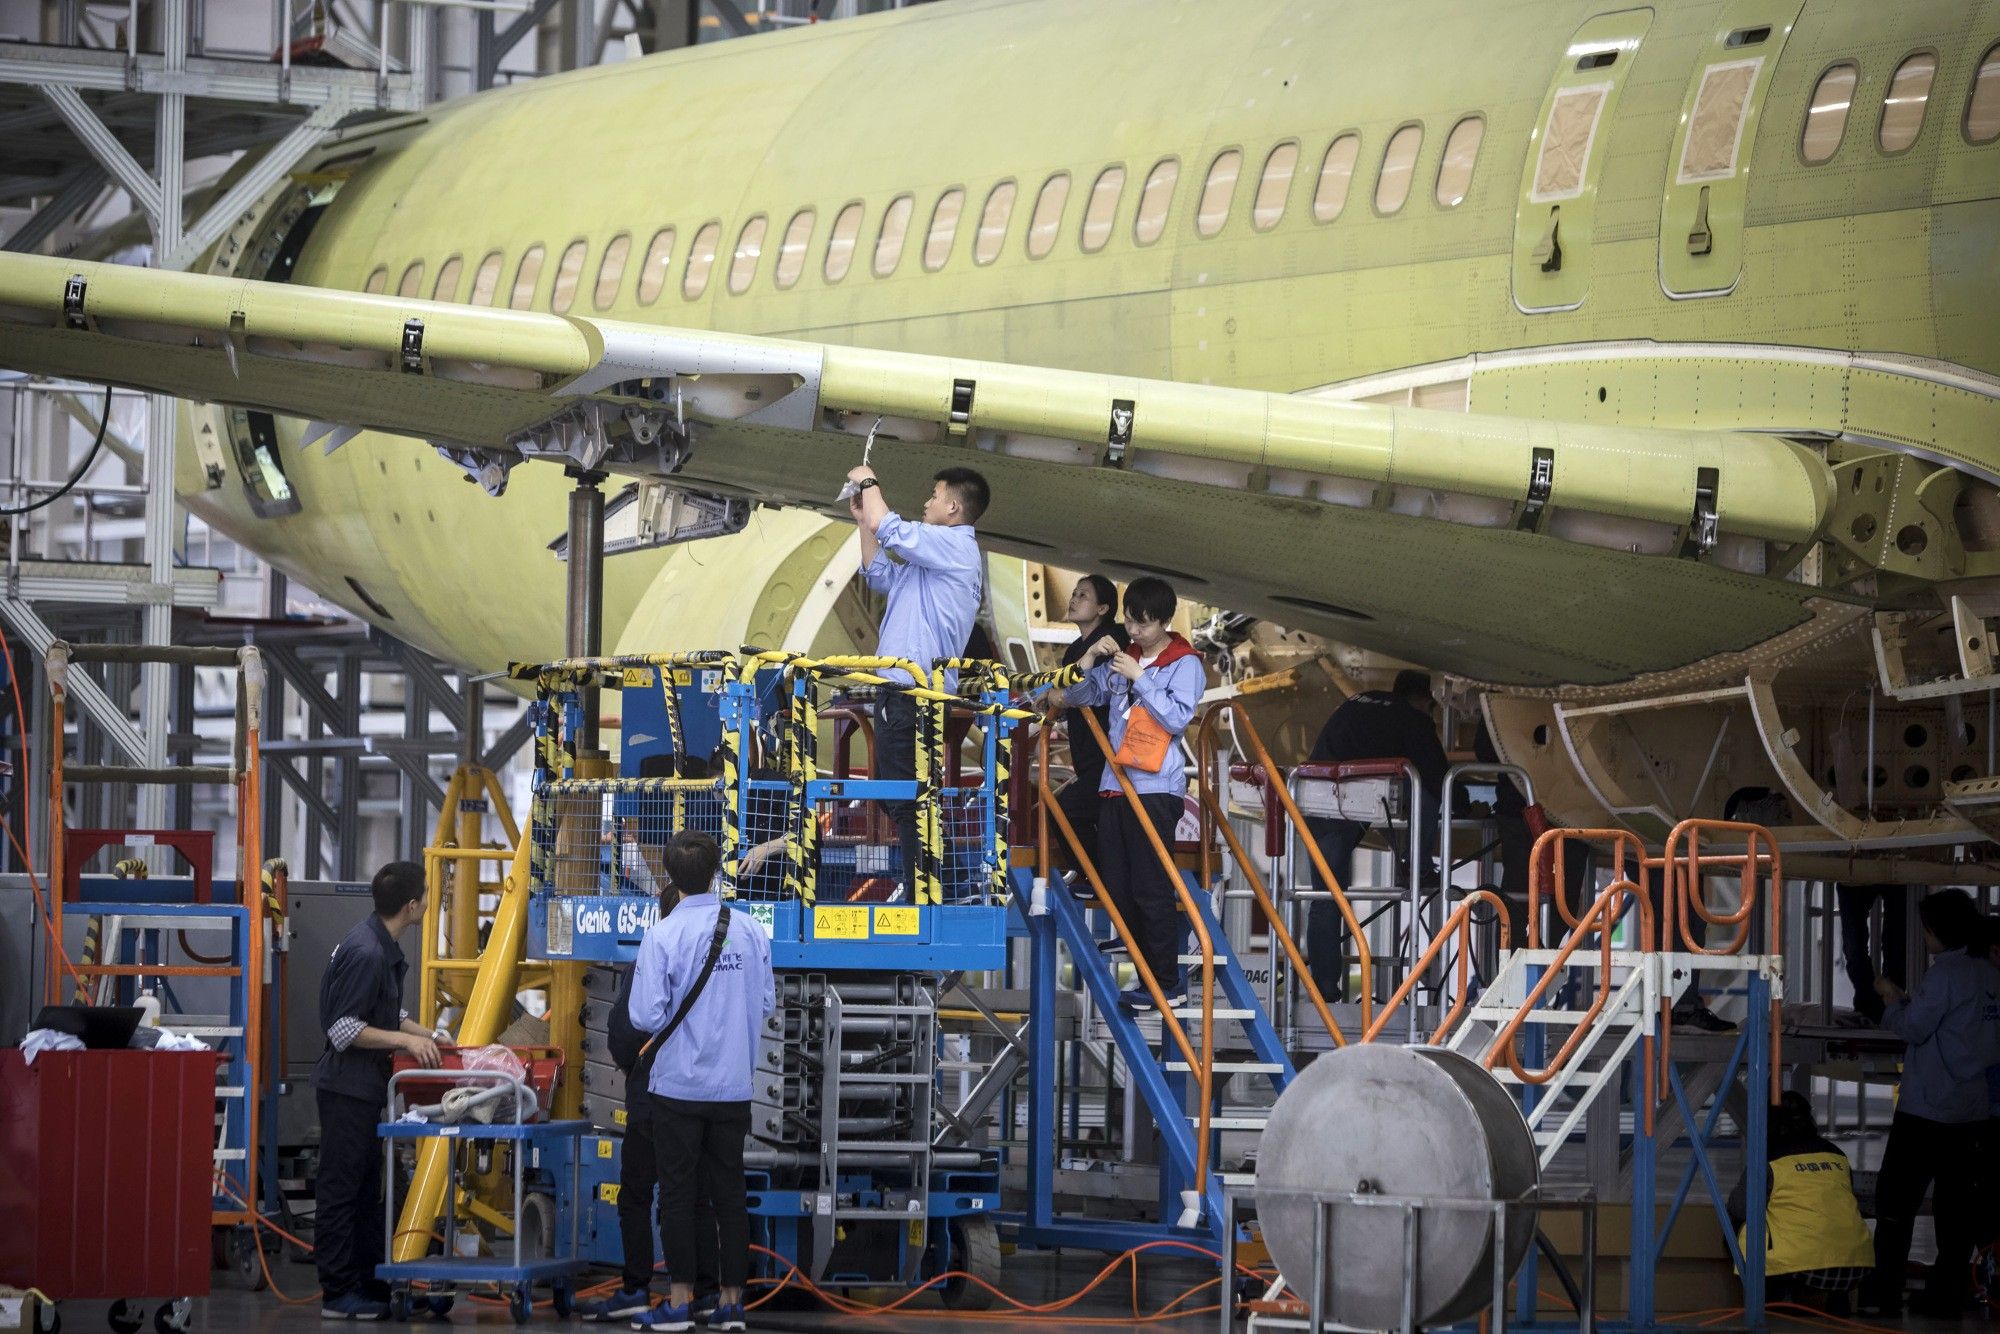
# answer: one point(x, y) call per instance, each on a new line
point(932, 574)
point(1951, 1024)
point(701, 987)
point(639, 1171)
point(361, 1012)
point(1392, 724)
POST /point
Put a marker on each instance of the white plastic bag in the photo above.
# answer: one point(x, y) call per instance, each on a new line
point(494, 1057)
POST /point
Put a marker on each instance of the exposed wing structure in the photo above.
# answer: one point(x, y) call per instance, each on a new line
point(1513, 550)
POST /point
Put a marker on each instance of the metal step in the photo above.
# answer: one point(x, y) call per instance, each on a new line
point(1194, 1012)
point(1551, 1018)
point(1230, 1067)
point(1234, 1122)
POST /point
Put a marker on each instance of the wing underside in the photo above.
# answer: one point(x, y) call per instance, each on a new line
point(1509, 550)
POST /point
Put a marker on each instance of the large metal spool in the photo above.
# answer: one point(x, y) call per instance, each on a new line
point(1406, 1122)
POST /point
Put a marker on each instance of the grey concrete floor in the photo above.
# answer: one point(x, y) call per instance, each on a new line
point(1032, 1277)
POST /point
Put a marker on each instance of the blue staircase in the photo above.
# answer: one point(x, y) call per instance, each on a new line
point(1245, 1042)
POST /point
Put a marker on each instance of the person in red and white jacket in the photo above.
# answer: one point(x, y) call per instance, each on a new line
point(1161, 673)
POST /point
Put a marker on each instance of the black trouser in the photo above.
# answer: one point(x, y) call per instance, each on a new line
point(1140, 887)
point(699, 1146)
point(1083, 804)
point(638, 1187)
point(347, 1217)
point(1856, 903)
point(1924, 1153)
point(1326, 929)
point(896, 758)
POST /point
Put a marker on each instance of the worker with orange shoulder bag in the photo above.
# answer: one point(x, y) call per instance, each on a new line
point(1153, 687)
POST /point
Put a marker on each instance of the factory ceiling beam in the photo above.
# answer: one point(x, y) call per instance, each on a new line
point(493, 47)
point(732, 17)
point(104, 146)
point(90, 696)
point(80, 189)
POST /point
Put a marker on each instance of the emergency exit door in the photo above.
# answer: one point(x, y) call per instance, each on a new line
point(1557, 212)
point(1708, 170)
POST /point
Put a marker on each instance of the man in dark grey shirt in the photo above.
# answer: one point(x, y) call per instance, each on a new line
point(361, 1012)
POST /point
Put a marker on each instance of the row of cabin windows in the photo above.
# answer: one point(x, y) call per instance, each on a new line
point(1218, 195)
point(1904, 102)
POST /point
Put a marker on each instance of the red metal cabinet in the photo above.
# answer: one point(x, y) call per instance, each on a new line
point(106, 1160)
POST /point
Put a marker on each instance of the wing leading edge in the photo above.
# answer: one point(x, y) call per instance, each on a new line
point(1513, 550)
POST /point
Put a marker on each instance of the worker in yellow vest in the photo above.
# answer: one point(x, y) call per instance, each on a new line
point(1816, 1247)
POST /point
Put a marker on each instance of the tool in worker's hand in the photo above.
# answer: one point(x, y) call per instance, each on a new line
point(849, 491)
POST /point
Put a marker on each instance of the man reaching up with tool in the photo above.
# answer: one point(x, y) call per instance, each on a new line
point(932, 573)
point(361, 1012)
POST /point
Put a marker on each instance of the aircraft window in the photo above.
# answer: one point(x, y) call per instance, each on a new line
point(840, 244)
point(792, 250)
point(1102, 210)
point(1218, 191)
point(749, 249)
point(1566, 145)
point(446, 288)
point(1826, 117)
point(1748, 37)
point(569, 271)
point(1715, 126)
point(895, 229)
point(412, 281)
point(1597, 60)
point(1399, 160)
point(1154, 201)
point(1982, 109)
point(526, 276)
point(486, 281)
point(378, 279)
point(701, 258)
point(611, 271)
point(659, 262)
point(1274, 187)
point(944, 228)
point(1336, 173)
point(1047, 218)
point(1461, 154)
point(993, 220)
point(1903, 108)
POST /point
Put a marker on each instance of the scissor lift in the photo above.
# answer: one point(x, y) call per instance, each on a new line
point(847, 1179)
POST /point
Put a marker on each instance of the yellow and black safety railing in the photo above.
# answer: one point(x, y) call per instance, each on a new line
point(983, 681)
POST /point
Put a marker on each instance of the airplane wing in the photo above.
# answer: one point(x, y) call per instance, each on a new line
point(1509, 550)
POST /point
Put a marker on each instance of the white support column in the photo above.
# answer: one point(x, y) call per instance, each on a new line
point(156, 680)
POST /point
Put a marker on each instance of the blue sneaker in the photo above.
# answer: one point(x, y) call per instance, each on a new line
point(620, 1305)
point(353, 1306)
point(665, 1316)
point(1140, 1000)
point(704, 1303)
point(727, 1318)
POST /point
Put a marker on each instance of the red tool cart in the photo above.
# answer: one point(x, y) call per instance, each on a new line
point(106, 1179)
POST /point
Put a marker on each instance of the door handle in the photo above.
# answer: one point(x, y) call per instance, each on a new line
point(1548, 251)
point(1700, 240)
